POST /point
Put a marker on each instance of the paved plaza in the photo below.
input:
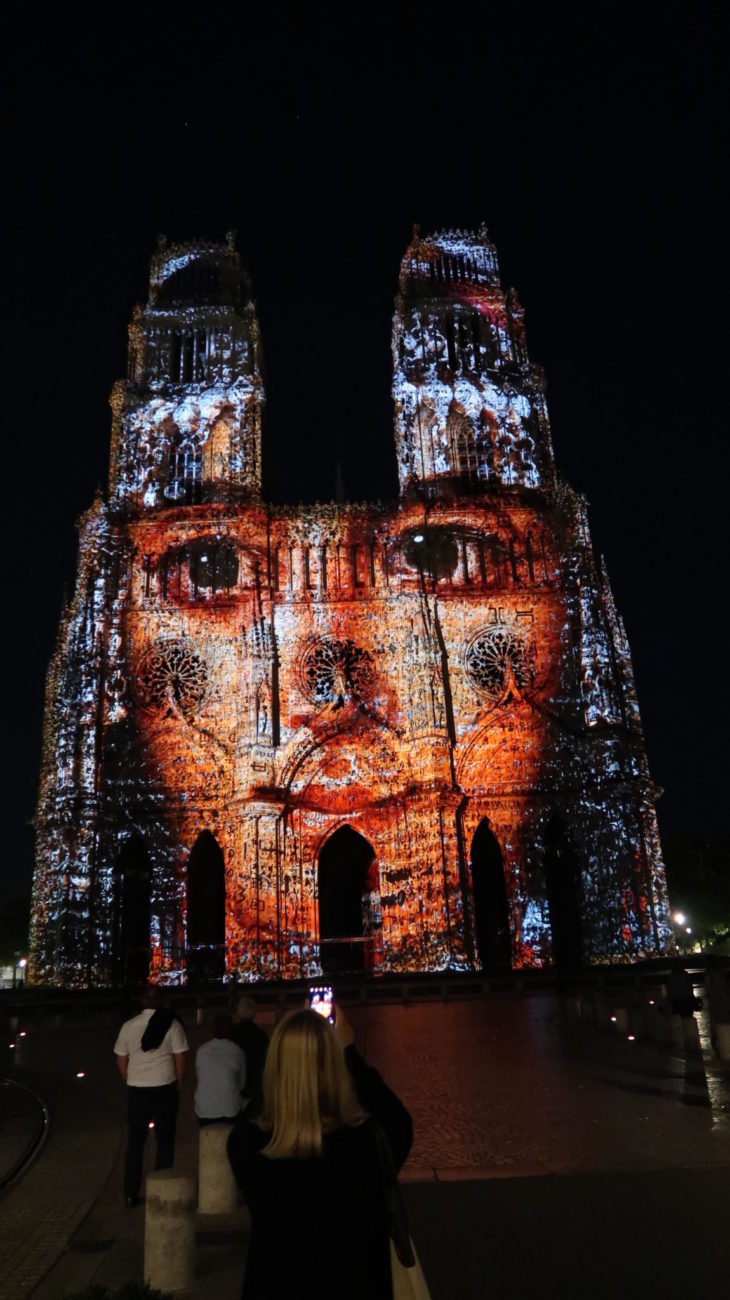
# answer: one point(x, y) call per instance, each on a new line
point(549, 1157)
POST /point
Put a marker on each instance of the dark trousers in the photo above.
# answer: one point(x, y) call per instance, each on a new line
point(145, 1106)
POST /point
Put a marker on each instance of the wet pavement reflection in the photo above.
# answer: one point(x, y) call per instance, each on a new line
point(507, 1086)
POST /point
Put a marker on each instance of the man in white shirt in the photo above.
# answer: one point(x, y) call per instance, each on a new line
point(150, 1051)
point(220, 1066)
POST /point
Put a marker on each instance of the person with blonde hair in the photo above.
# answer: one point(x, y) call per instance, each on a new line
point(313, 1169)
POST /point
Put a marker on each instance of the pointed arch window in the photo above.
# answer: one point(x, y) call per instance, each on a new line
point(185, 469)
point(462, 444)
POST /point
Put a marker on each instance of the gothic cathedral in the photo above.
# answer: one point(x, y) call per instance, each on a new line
point(281, 741)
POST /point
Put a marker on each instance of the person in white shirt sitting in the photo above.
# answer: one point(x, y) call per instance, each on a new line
point(150, 1051)
point(220, 1066)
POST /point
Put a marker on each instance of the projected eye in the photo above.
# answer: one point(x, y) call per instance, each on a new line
point(433, 551)
point(213, 564)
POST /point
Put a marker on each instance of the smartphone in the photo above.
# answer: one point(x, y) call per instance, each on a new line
point(322, 1000)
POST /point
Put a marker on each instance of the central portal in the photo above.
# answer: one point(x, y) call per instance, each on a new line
point(349, 904)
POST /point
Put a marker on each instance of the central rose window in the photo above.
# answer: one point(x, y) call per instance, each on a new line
point(334, 671)
point(500, 663)
point(172, 673)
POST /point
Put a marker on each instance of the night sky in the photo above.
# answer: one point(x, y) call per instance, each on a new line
point(589, 141)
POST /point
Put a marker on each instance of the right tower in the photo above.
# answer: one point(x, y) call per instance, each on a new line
point(551, 761)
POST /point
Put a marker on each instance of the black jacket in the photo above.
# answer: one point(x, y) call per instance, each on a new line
point(320, 1224)
point(254, 1044)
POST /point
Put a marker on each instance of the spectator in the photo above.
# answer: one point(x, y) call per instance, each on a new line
point(313, 1170)
point(150, 1051)
point(254, 1044)
point(220, 1066)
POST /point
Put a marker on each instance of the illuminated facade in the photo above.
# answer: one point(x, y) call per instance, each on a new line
point(341, 737)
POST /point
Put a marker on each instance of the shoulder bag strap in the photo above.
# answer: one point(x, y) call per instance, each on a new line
point(397, 1221)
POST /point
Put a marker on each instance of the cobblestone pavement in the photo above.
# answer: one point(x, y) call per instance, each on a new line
point(39, 1215)
point(21, 1121)
point(500, 1088)
point(504, 1086)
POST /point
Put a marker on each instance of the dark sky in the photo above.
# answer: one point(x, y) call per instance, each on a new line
point(589, 140)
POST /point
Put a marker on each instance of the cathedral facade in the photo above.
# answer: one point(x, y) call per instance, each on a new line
point(281, 741)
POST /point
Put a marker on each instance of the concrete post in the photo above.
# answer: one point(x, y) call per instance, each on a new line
point(591, 1009)
point(169, 1231)
point(722, 1042)
point(572, 1007)
point(717, 991)
point(637, 1022)
point(217, 1190)
point(622, 1020)
point(690, 1035)
point(603, 1012)
point(660, 1025)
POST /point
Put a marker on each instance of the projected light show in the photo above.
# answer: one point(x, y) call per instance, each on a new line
point(289, 741)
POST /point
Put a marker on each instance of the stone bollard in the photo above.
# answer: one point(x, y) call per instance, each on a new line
point(603, 1013)
point(622, 1020)
point(637, 1022)
point(659, 1025)
point(169, 1231)
point(592, 1010)
point(217, 1190)
point(722, 1042)
point(718, 997)
point(572, 1007)
point(690, 1035)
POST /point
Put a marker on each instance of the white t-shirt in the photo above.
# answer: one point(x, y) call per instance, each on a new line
point(221, 1069)
point(154, 1068)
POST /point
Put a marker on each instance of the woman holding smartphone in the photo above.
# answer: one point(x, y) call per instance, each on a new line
point(313, 1169)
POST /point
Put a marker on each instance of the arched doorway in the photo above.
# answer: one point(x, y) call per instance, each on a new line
point(562, 884)
point(491, 913)
point(133, 872)
point(349, 903)
point(206, 912)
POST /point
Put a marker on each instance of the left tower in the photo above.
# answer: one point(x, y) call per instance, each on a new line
point(187, 421)
point(186, 433)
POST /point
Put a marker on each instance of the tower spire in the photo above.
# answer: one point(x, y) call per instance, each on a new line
point(470, 410)
point(187, 424)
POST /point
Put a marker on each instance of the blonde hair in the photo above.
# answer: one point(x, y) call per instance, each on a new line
point(305, 1083)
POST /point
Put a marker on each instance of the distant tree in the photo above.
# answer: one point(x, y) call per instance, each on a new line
point(698, 876)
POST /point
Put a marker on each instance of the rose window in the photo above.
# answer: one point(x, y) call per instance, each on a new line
point(499, 663)
point(334, 671)
point(173, 673)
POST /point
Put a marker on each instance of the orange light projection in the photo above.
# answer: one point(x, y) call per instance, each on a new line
point(282, 742)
